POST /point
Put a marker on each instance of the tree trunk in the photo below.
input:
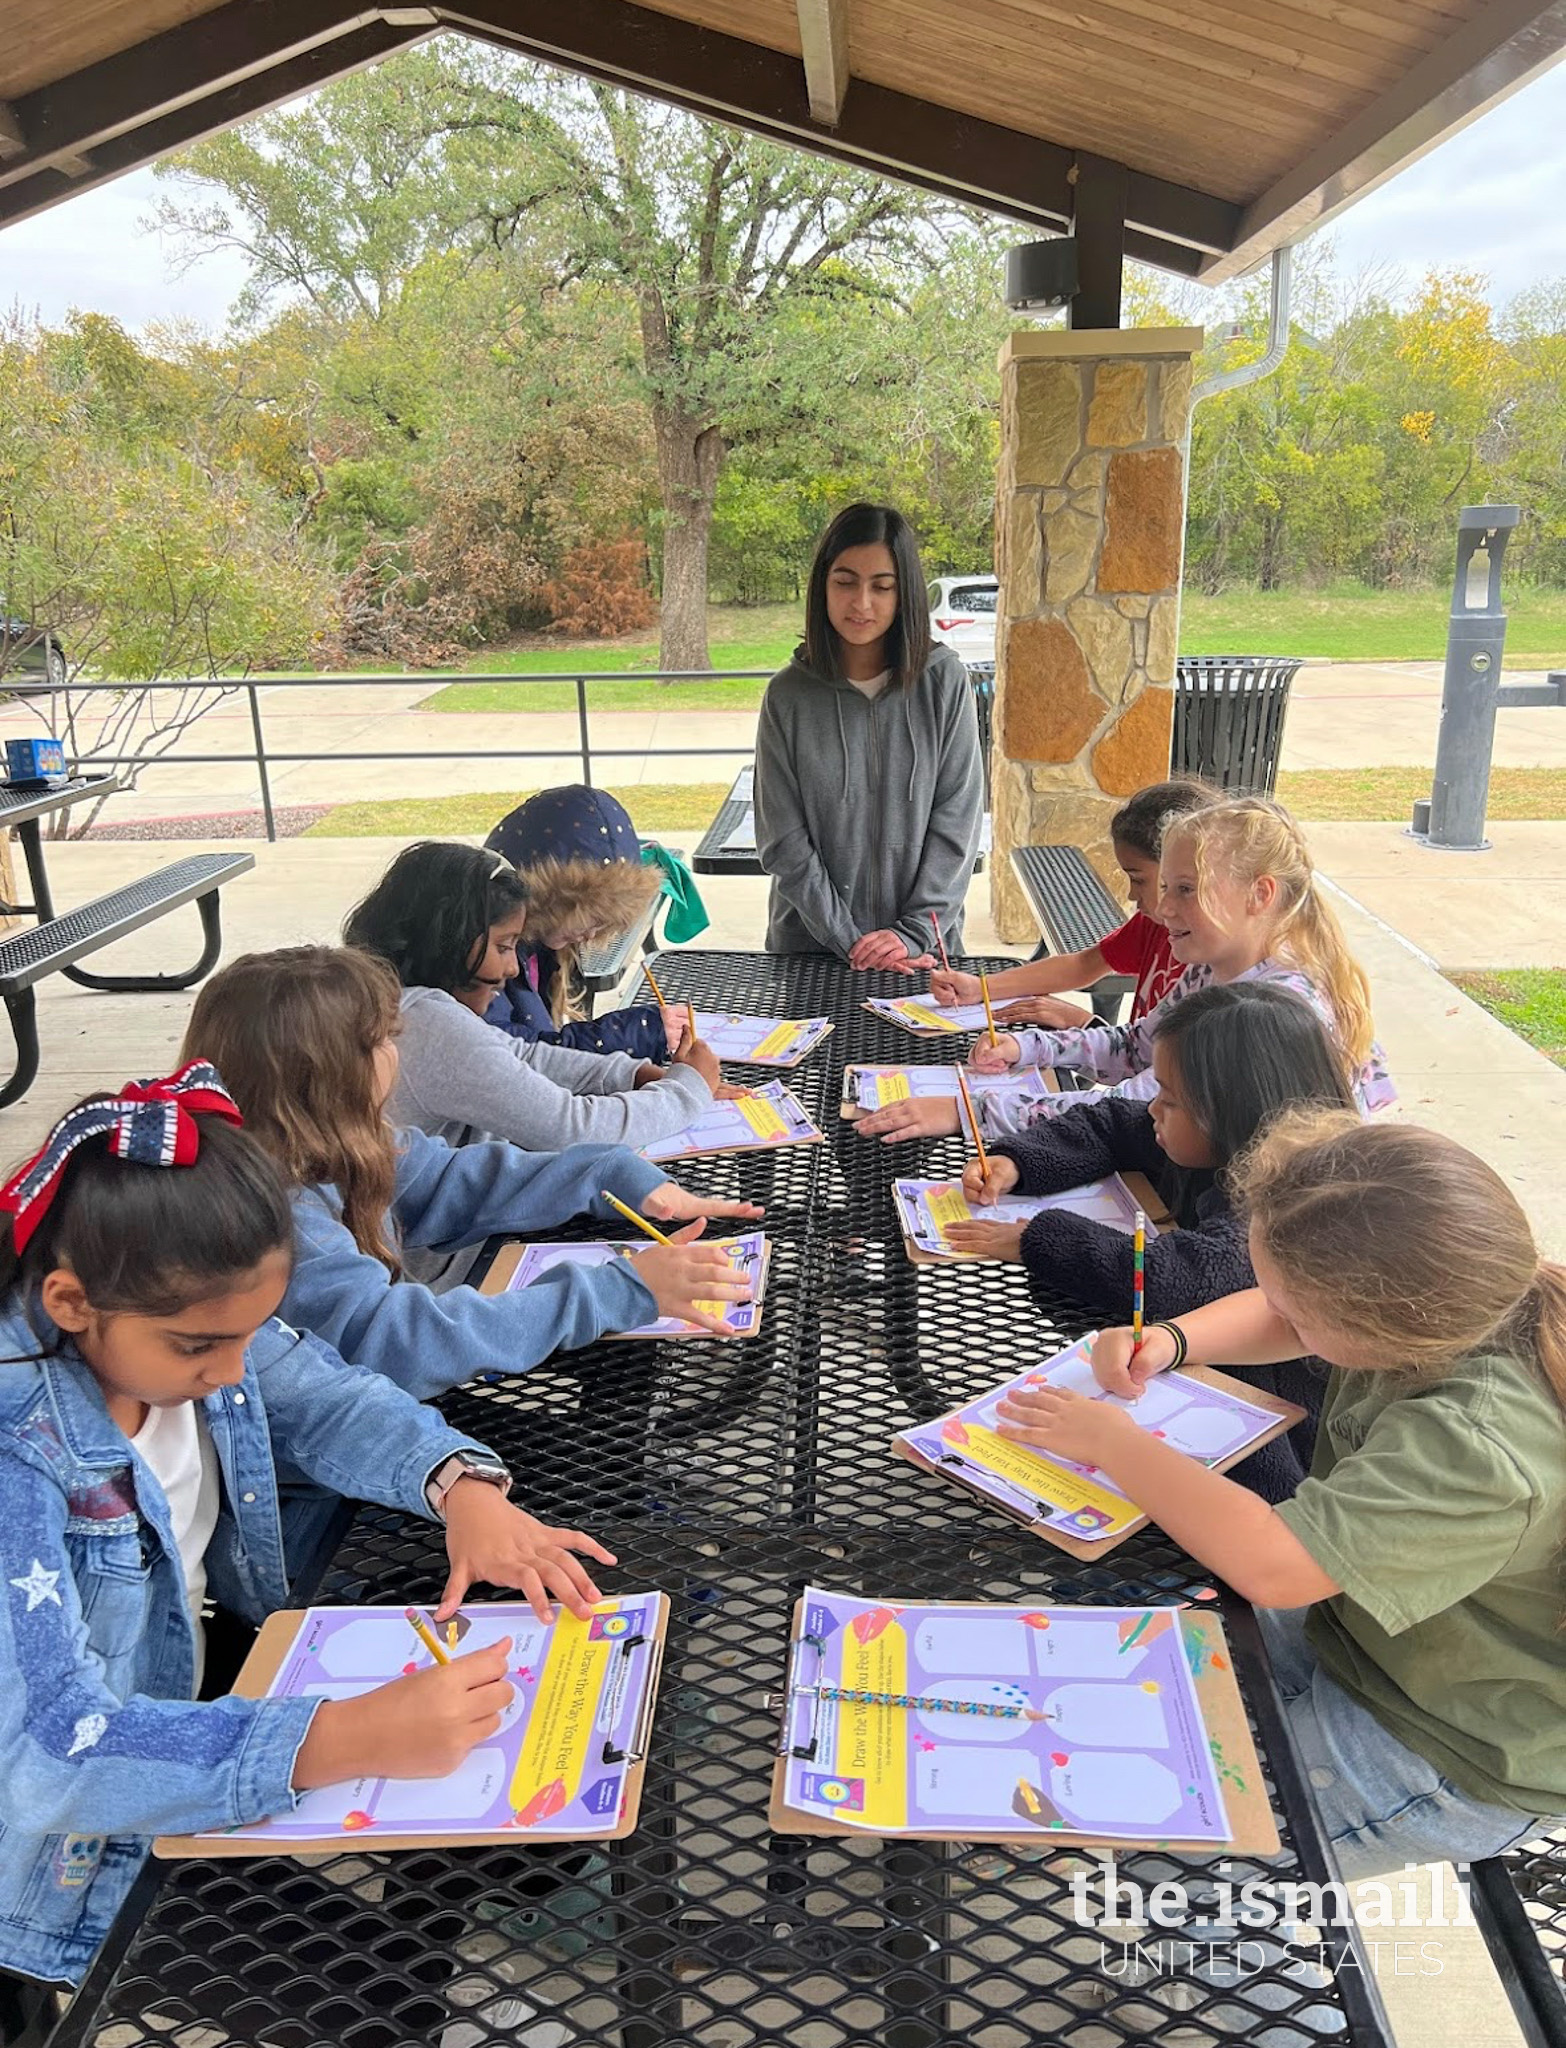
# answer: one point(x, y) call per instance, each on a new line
point(690, 458)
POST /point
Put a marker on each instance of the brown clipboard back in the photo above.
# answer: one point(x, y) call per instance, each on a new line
point(261, 1666)
point(509, 1257)
point(1076, 1546)
point(1255, 1830)
point(1142, 1191)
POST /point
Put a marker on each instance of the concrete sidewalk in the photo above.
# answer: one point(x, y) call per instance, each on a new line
point(1341, 715)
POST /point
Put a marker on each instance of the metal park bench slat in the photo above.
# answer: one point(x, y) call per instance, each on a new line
point(1074, 910)
point(55, 946)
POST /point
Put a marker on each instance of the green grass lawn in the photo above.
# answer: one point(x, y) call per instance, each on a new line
point(1347, 622)
point(1364, 794)
point(656, 807)
point(1531, 1000)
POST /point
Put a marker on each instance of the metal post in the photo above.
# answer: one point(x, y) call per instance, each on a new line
point(1470, 691)
point(261, 770)
point(581, 726)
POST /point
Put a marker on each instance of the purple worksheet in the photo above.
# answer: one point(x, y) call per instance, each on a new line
point(1083, 1720)
point(557, 1764)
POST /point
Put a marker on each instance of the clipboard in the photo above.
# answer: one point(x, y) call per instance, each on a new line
point(1249, 1811)
point(1140, 1188)
point(266, 1656)
point(773, 1065)
point(762, 1149)
point(1078, 1546)
point(850, 1111)
point(505, 1262)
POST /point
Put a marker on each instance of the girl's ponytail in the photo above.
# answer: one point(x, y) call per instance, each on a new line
point(1539, 1325)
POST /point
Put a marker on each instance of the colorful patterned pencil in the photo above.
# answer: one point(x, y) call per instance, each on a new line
point(1138, 1280)
point(940, 943)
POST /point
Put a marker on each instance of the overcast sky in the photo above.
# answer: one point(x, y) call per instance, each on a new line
point(1488, 200)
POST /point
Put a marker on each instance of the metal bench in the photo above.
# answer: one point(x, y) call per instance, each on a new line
point(55, 946)
point(602, 967)
point(728, 846)
point(1073, 910)
point(1519, 1901)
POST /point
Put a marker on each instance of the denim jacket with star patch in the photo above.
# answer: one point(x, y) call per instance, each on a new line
point(101, 1743)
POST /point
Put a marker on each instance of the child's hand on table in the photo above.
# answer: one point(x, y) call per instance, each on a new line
point(995, 1059)
point(1049, 1013)
point(489, 1537)
point(700, 1057)
point(671, 1203)
point(421, 1726)
point(684, 1273)
point(730, 1091)
point(1069, 1424)
point(949, 989)
point(920, 1116)
point(987, 1240)
point(1118, 1372)
point(988, 1184)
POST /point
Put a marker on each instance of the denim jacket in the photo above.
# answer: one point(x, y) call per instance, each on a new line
point(446, 1198)
point(101, 1744)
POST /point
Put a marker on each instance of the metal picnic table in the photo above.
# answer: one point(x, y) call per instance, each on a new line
point(731, 1477)
point(23, 808)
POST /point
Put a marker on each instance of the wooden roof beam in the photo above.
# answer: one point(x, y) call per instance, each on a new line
point(12, 139)
point(176, 69)
point(1496, 52)
point(823, 40)
point(46, 185)
point(976, 162)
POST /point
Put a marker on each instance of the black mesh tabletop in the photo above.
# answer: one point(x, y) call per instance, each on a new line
point(704, 1929)
point(731, 1476)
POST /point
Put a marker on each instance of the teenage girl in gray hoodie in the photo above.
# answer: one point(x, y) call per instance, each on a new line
point(869, 785)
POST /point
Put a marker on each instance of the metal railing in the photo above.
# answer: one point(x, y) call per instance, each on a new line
point(264, 758)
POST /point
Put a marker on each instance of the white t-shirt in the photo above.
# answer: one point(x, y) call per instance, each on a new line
point(176, 1443)
point(872, 686)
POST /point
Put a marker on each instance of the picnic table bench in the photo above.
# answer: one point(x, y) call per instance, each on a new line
point(728, 846)
point(57, 942)
point(1073, 910)
point(1519, 1901)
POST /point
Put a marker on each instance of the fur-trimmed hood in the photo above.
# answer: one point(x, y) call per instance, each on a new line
point(578, 852)
point(567, 895)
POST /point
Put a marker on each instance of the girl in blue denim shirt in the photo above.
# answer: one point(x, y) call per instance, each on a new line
point(147, 1395)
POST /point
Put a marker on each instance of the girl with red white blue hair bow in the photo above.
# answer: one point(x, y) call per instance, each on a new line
point(148, 1394)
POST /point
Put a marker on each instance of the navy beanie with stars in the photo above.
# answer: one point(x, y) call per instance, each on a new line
point(569, 824)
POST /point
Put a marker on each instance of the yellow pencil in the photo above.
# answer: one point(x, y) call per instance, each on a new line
point(658, 995)
point(631, 1216)
point(451, 1633)
point(973, 1119)
point(984, 990)
point(425, 1634)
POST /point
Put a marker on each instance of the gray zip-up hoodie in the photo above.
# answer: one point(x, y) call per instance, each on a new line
point(867, 808)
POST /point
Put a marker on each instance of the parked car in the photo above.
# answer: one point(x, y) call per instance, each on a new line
point(30, 661)
point(962, 615)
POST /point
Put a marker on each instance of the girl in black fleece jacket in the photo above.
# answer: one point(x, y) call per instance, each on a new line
point(1227, 1061)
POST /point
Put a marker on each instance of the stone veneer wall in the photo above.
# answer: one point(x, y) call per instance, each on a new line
point(1089, 539)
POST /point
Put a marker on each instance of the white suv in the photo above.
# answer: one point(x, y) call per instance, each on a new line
point(962, 615)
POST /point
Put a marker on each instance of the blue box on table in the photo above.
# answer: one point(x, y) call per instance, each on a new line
point(35, 761)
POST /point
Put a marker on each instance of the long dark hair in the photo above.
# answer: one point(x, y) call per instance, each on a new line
point(155, 1240)
point(1246, 1052)
point(294, 1033)
point(908, 641)
point(429, 915)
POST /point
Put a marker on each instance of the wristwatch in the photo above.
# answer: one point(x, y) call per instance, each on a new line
point(463, 1465)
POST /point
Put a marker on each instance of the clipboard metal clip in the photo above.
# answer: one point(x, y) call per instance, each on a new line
point(794, 1688)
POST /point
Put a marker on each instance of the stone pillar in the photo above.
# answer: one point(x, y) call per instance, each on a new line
point(1089, 538)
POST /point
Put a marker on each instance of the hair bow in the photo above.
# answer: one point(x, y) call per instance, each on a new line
point(151, 1123)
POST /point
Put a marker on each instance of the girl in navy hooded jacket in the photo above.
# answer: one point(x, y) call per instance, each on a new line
point(578, 853)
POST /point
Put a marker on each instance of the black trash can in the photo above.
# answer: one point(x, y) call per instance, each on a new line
point(982, 676)
point(1228, 720)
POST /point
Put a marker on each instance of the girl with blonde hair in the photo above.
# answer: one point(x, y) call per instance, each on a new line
point(1242, 902)
point(1411, 1591)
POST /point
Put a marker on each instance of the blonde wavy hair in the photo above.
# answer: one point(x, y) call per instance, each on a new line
point(1247, 838)
point(294, 1035)
point(1330, 1200)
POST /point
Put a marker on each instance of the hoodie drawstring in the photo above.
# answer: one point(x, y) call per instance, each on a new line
point(842, 739)
point(913, 742)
